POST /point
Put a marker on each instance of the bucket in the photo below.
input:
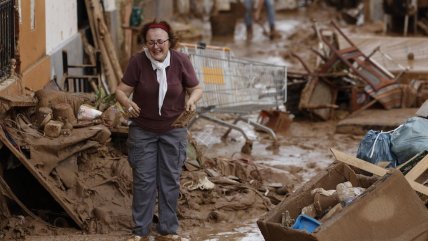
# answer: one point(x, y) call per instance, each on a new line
point(306, 223)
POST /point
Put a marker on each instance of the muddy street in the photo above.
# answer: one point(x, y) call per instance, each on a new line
point(318, 118)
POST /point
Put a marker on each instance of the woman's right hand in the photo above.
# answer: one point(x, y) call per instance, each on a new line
point(132, 109)
point(123, 91)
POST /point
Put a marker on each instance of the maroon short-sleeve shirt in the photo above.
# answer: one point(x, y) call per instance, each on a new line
point(140, 75)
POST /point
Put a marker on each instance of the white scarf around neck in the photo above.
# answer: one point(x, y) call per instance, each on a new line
point(160, 68)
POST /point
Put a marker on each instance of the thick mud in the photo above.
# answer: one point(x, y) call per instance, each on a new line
point(303, 150)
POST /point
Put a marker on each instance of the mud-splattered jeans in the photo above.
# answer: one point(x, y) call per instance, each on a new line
point(156, 160)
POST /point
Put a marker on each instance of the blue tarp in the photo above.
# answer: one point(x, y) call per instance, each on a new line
point(410, 139)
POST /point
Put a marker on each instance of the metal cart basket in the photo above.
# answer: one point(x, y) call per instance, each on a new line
point(235, 85)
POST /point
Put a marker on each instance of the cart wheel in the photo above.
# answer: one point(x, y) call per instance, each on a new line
point(274, 147)
point(247, 147)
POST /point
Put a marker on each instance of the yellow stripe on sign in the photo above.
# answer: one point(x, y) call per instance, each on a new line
point(213, 75)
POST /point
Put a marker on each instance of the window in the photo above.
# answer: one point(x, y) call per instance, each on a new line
point(7, 37)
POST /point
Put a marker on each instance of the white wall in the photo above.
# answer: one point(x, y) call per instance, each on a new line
point(61, 23)
point(109, 5)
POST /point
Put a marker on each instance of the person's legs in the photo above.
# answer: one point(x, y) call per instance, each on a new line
point(270, 9)
point(142, 156)
point(172, 154)
point(248, 18)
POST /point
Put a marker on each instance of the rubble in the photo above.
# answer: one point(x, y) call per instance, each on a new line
point(90, 178)
point(67, 150)
point(382, 211)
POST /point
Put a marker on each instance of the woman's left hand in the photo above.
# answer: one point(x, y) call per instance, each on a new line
point(195, 94)
point(190, 105)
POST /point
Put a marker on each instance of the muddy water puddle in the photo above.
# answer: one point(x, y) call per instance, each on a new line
point(227, 232)
point(304, 150)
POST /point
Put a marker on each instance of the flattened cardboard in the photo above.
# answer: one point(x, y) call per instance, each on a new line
point(423, 110)
point(388, 210)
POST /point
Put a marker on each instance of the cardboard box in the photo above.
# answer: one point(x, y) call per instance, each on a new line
point(388, 210)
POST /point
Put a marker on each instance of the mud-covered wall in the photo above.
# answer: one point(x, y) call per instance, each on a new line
point(32, 34)
point(34, 64)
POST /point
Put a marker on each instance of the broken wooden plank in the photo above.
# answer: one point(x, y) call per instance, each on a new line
point(369, 167)
point(418, 187)
point(4, 209)
point(411, 163)
point(18, 101)
point(103, 42)
point(418, 170)
point(356, 162)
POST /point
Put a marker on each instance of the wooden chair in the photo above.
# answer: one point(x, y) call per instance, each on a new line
point(88, 81)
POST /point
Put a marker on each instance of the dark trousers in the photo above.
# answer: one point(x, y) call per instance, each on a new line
point(156, 160)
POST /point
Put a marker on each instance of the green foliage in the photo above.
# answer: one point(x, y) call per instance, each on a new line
point(104, 100)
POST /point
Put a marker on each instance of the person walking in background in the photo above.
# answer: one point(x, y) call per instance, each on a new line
point(249, 14)
point(159, 78)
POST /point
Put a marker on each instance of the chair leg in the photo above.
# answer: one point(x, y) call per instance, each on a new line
point(406, 24)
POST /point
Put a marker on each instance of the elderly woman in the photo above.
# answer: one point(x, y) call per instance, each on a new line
point(159, 79)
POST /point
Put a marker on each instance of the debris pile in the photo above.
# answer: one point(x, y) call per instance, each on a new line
point(351, 79)
point(62, 147)
point(387, 208)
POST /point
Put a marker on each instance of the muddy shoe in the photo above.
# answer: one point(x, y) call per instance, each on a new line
point(171, 237)
point(274, 35)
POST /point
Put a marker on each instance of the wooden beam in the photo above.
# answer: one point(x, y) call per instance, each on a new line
point(420, 168)
point(103, 42)
point(415, 172)
point(356, 162)
point(418, 187)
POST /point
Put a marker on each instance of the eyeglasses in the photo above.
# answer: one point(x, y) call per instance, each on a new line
point(158, 42)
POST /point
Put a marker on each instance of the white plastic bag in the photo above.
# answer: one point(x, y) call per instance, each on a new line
point(87, 112)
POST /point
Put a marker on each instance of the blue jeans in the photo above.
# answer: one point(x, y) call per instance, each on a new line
point(156, 160)
point(270, 10)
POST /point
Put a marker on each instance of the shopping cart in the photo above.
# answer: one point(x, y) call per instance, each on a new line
point(237, 86)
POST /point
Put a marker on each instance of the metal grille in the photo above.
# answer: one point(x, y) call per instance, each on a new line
point(7, 36)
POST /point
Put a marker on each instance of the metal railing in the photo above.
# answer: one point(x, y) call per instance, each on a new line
point(7, 37)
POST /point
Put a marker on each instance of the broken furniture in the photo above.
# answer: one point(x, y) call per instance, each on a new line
point(359, 63)
point(86, 82)
point(346, 68)
point(405, 58)
point(381, 84)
